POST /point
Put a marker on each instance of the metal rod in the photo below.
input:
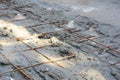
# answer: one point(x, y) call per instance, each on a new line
point(42, 55)
point(115, 63)
point(106, 46)
point(52, 61)
point(21, 71)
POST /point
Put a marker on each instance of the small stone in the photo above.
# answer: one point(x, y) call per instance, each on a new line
point(47, 69)
point(66, 51)
point(55, 42)
point(11, 30)
point(89, 59)
point(5, 28)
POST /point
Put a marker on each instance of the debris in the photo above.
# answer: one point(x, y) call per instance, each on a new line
point(55, 42)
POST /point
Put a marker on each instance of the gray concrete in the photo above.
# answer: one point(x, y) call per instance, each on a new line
point(92, 60)
point(106, 11)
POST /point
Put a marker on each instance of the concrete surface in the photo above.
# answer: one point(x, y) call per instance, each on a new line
point(25, 41)
point(106, 11)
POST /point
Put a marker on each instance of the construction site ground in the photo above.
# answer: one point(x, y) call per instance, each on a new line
point(47, 41)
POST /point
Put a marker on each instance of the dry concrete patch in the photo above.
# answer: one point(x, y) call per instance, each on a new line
point(49, 42)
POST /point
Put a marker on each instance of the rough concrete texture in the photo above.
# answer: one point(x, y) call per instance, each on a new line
point(106, 11)
point(40, 32)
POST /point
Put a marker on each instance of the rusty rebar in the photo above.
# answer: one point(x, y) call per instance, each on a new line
point(38, 35)
point(115, 63)
point(106, 46)
point(52, 61)
point(36, 48)
point(42, 55)
point(13, 7)
point(80, 39)
point(21, 71)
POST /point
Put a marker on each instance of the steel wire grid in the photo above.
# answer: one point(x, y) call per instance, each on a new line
point(20, 39)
